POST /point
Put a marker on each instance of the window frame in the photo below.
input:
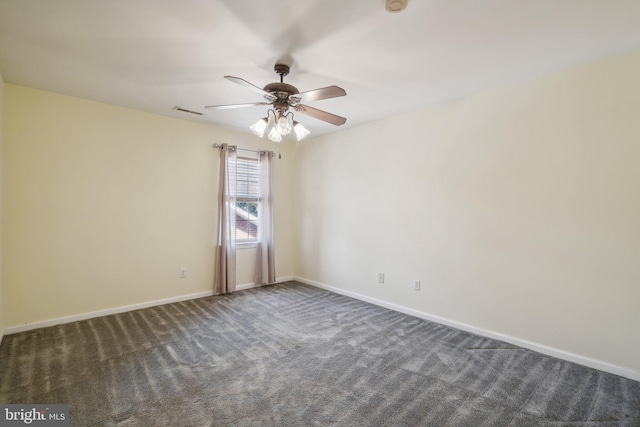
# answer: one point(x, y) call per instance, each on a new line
point(249, 242)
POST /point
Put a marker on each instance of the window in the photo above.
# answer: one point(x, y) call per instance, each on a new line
point(247, 200)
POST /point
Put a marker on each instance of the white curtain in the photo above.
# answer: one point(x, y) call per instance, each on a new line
point(265, 263)
point(225, 279)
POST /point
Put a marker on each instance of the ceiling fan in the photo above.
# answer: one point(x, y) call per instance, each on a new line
point(282, 97)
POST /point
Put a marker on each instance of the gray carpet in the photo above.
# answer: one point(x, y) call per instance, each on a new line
point(294, 355)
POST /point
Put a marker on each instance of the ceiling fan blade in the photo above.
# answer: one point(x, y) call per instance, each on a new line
point(320, 115)
point(318, 94)
point(243, 82)
point(230, 106)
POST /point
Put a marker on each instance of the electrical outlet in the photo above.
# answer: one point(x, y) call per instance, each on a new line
point(183, 273)
point(380, 277)
point(416, 285)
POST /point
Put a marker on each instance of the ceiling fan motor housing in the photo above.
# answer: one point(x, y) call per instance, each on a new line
point(281, 91)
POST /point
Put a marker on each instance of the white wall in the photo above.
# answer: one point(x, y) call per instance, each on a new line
point(518, 209)
point(103, 205)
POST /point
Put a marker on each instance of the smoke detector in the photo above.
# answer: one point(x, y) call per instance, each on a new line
point(395, 6)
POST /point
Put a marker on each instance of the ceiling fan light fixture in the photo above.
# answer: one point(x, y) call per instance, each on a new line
point(274, 135)
point(259, 127)
point(300, 130)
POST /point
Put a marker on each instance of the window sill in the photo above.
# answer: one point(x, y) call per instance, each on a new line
point(246, 245)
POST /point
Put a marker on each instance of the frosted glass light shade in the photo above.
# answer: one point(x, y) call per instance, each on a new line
point(300, 130)
point(274, 135)
point(283, 126)
point(259, 127)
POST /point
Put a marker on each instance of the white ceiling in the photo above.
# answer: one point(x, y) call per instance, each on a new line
point(153, 55)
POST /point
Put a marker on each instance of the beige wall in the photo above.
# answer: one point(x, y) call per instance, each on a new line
point(518, 209)
point(1, 234)
point(103, 205)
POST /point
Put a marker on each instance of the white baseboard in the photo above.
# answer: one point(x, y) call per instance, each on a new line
point(122, 309)
point(549, 351)
point(246, 286)
point(100, 313)
point(253, 285)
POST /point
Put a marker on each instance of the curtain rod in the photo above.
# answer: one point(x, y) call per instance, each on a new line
point(218, 146)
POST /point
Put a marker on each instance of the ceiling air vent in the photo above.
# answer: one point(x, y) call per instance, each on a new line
point(184, 110)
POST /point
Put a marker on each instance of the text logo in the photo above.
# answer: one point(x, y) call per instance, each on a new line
point(34, 415)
